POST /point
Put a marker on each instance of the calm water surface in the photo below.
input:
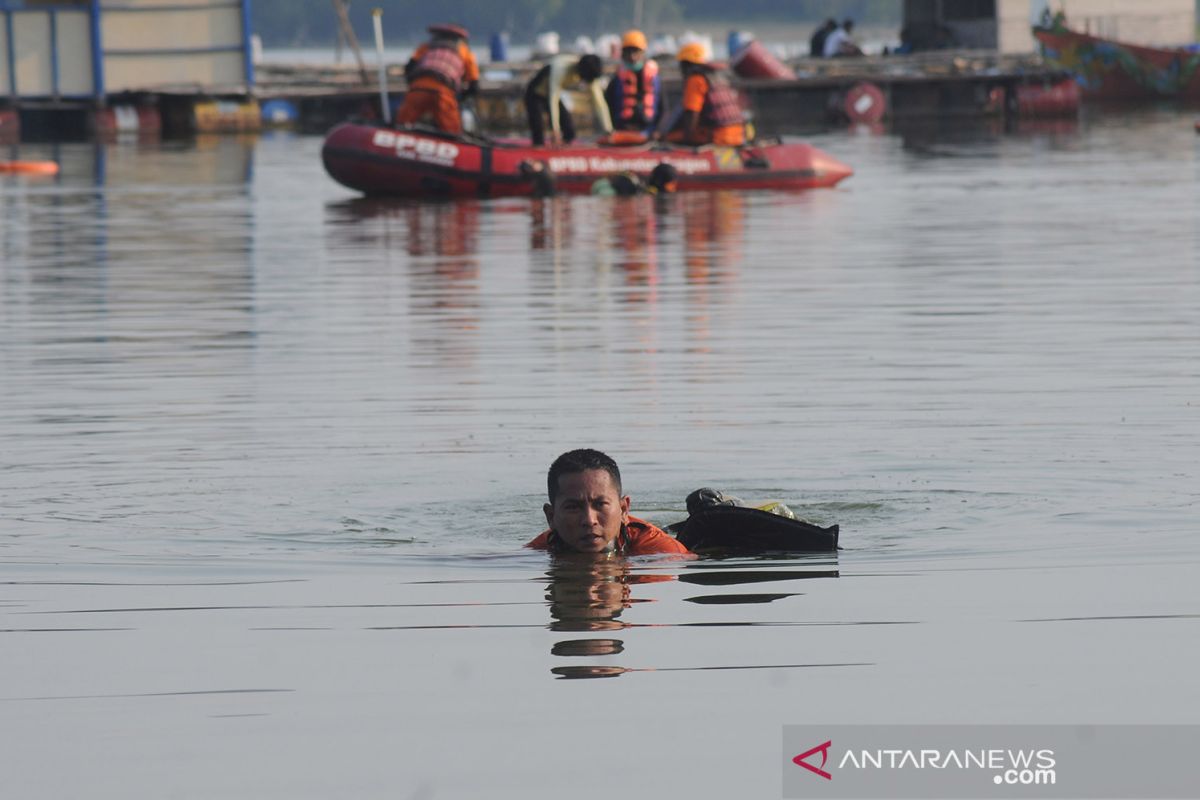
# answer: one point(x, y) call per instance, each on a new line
point(270, 451)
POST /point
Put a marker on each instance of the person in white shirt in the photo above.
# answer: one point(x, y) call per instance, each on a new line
point(841, 42)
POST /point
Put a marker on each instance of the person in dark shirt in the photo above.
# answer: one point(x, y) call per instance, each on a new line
point(816, 45)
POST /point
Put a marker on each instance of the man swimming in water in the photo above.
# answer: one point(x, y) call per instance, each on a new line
point(588, 514)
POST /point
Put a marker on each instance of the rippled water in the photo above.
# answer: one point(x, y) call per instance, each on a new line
point(270, 451)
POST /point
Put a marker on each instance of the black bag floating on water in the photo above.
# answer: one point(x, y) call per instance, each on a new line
point(719, 523)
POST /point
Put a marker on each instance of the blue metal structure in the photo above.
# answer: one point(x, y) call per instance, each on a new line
point(247, 49)
point(97, 51)
point(94, 10)
point(55, 79)
point(11, 10)
point(11, 53)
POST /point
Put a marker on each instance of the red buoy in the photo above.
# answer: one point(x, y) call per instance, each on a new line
point(865, 103)
point(756, 61)
point(1049, 100)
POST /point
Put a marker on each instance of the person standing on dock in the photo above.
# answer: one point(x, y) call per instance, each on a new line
point(634, 95)
point(439, 72)
point(711, 111)
point(544, 97)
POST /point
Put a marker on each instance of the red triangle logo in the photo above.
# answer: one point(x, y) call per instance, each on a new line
point(823, 749)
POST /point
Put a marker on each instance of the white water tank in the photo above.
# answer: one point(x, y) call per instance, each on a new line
point(545, 44)
point(609, 46)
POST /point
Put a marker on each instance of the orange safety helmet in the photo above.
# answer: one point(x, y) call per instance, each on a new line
point(446, 29)
point(633, 38)
point(693, 53)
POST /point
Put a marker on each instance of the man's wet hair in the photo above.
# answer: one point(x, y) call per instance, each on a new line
point(579, 461)
point(664, 177)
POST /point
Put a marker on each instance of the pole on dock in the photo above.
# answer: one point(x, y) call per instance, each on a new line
point(377, 17)
point(348, 31)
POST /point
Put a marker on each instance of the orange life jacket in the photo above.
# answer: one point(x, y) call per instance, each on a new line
point(721, 106)
point(637, 92)
point(638, 538)
point(442, 60)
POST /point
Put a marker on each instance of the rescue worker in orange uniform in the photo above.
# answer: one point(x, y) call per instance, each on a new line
point(439, 72)
point(588, 514)
point(711, 112)
point(634, 95)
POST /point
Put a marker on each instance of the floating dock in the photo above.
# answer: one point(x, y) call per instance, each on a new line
point(313, 98)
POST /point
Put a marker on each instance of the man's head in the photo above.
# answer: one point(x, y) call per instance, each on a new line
point(692, 57)
point(586, 508)
point(633, 46)
point(589, 68)
point(848, 25)
point(626, 184)
point(449, 32)
point(664, 178)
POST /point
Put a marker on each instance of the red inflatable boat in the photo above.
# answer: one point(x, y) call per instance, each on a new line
point(415, 162)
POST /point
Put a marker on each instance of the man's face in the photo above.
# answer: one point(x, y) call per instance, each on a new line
point(588, 511)
point(632, 55)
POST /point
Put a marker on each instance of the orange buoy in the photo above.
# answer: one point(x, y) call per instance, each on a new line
point(30, 167)
point(623, 138)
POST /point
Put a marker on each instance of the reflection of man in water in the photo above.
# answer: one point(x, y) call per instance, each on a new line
point(588, 514)
point(587, 594)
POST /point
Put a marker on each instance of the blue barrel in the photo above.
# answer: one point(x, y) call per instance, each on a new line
point(279, 112)
point(737, 40)
point(499, 47)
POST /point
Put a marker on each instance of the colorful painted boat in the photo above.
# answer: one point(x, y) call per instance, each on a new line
point(1110, 70)
point(414, 162)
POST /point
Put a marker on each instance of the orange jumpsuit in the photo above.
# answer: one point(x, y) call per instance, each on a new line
point(639, 538)
point(431, 95)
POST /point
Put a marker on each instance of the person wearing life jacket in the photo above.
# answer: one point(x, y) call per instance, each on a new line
point(711, 111)
point(440, 72)
point(544, 97)
point(587, 512)
point(634, 95)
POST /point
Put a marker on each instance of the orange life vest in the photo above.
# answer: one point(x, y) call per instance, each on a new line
point(639, 538)
point(637, 92)
point(721, 106)
point(442, 60)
